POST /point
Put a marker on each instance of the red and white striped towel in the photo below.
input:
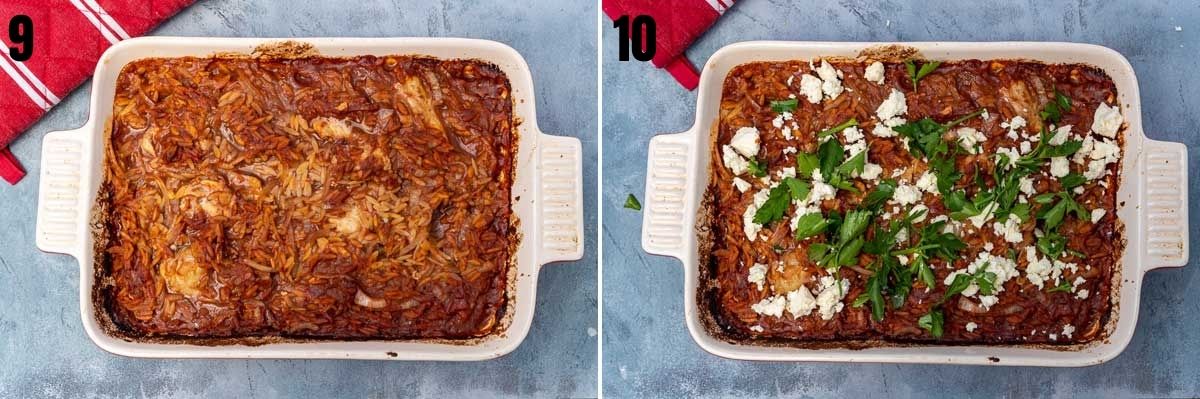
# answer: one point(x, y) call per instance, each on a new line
point(678, 23)
point(68, 37)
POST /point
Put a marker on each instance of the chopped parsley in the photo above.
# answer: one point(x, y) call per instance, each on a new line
point(778, 200)
point(1054, 109)
point(781, 106)
point(1063, 286)
point(933, 322)
point(757, 168)
point(837, 129)
point(631, 202)
point(916, 74)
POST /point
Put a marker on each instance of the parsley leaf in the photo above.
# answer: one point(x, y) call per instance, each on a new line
point(781, 106)
point(806, 164)
point(1063, 286)
point(777, 201)
point(917, 74)
point(810, 224)
point(932, 322)
point(799, 188)
point(1072, 180)
point(837, 129)
point(1054, 109)
point(831, 155)
point(757, 168)
point(631, 202)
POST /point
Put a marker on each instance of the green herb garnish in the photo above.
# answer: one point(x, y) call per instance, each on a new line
point(932, 322)
point(1063, 286)
point(837, 129)
point(916, 74)
point(1053, 111)
point(631, 202)
point(781, 106)
point(757, 168)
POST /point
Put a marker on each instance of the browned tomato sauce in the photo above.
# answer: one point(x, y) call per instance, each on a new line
point(1024, 313)
point(308, 197)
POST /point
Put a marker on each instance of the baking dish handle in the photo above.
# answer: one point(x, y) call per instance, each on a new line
point(60, 221)
point(668, 182)
point(1165, 204)
point(560, 198)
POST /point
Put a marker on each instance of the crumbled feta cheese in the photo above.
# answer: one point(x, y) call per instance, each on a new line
point(829, 301)
point(1060, 135)
point(1068, 330)
point(874, 73)
point(1085, 149)
point(1026, 147)
point(745, 142)
point(1026, 185)
point(1010, 154)
point(1097, 214)
point(1082, 294)
point(852, 134)
point(1010, 229)
point(919, 208)
point(757, 275)
point(903, 259)
point(748, 226)
point(820, 191)
point(755, 328)
point(770, 306)
point(871, 171)
point(972, 326)
point(985, 115)
point(1059, 166)
point(740, 184)
point(968, 137)
point(1107, 121)
point(906, 194)
point(831, 85)
point(854, 148)
point(1054, 337)
point(736, 164)
point(1003, 268)
point(882, 130)
point(786, 172)
point(898, 171)
point(810, 87)
point(800, 302)
point(790, 79)
point(789, 150)
point(1037, 270)
point(988, 246)
point(984, 215)
point(1103, 153)
point(928, 183)
point(895, 105)
point(1014, 126)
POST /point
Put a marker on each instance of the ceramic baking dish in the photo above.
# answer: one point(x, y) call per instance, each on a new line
point(1152, 204)
point(546, 198)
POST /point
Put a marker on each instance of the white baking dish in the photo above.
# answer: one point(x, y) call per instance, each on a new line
point(1152, 203)
point(547, 198)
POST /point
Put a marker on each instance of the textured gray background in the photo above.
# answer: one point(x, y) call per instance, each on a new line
point(647, 350)
point(45, 353)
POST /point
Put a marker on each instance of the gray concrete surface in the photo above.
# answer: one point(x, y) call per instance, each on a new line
point(45, 353)
point(647, 350)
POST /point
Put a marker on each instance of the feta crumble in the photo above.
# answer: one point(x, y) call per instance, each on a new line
point(972, 326)
point(871, 172)
point(895, 105)
point(1097, 214)
point(736, 164)
point(874, 73)
point(831, 85)
point(748, 226)
point(801, 302)
point(1059, 166)
point(928, 183)
point(1010, 229)
point(810, 87)
point(757, 275)
point(1068, 330)
point(829, 301)
point(1107, 121)
point(968, 137)
point(770, 306)
point(906, 194)
point(741, 184)
point(745, 142)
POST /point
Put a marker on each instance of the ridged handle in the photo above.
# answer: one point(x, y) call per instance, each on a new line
point(665, 226)
point(1165, 205)
point(560, 168)
point(61, 222)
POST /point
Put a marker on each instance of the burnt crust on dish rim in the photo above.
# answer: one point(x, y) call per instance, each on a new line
point(102, 298)
point(707, 294)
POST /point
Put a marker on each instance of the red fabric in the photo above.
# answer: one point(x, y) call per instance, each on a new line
point(678, 23)
point(66, 45)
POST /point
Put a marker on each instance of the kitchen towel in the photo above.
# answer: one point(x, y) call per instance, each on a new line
point(678, 23)
point(68, 38)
